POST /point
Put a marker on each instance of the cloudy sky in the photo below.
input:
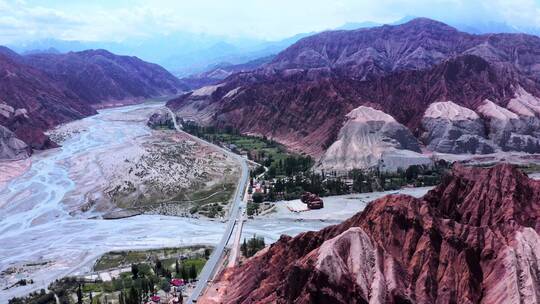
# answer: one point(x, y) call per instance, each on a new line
point(118, 20)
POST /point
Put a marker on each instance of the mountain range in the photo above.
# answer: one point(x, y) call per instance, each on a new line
point(40, 91)
point(182, 53)
point(472, 239)
point(187, 54)
point(455, 92)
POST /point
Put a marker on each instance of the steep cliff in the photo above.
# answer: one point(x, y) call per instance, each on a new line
point(472, 239)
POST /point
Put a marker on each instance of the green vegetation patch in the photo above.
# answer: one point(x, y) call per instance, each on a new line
point(266, 152)
point(118, 259)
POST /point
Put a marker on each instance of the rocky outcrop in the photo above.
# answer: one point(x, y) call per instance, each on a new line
point(472, 239)
point(12, 148)
point(371, 138)
point(454, 129)
point(509, 130)
point(160, 120)
point(313, 201)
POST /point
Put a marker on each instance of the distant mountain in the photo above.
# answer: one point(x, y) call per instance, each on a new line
point(45, 51)
point(357, 25)
point(471, 27)
point(219, 72)
point(305, 95)
point(40, 91)
point(472, 239)
point(119, 78)
point(182, 53)
point(31, 102)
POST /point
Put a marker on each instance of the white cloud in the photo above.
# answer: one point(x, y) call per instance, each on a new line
point(108, 20)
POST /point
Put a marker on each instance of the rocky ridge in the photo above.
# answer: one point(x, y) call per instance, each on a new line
point(40, 91)
point(301, 98)
point(451, 128)
point(119, 78)
point(472, 239)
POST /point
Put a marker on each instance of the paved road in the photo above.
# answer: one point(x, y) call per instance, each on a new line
point(235, 214)
point(233, 255)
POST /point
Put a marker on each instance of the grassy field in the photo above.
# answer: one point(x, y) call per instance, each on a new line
point(259, 147)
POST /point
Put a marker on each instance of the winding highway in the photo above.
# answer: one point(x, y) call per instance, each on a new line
point(235, 215)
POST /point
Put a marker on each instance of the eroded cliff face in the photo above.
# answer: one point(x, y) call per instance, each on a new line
point(31, 102)
point(473, 239)
point(454, 129)
point(516, 127)
point(11, 147)
point(371, 138)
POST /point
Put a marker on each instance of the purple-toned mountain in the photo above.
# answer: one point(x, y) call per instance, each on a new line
point(304, 97)
point(31, 102)
point(120, 79)
point(40, 91)
point(415, 45)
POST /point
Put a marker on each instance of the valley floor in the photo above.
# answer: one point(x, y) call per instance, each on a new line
point(50, 215)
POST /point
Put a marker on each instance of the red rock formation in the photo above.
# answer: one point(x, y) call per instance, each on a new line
point(473, 239)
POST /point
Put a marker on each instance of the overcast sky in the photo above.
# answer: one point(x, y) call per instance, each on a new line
point(110, 20)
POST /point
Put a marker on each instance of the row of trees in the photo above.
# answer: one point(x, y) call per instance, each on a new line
point(289, 166)
point(279, 163)
point(356, 181)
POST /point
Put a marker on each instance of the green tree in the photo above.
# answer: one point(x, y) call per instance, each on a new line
point(243, 248)
point(412, 172)
point(159, 267)
point(257, 197)
point(135, 271)
point(193, 272)
point(185, 274)
point(133, 297)
point(121, 299)
point(79, 295)
point(165, 285)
